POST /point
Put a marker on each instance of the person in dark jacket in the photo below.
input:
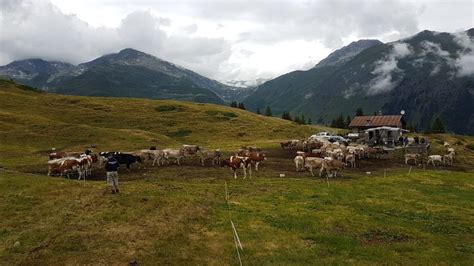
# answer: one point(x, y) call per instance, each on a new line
point(111, 167)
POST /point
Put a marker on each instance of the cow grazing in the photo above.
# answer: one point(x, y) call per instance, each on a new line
point(313, 163)
point(331, 167)
point(236, 162)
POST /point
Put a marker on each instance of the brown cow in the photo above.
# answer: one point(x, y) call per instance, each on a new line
point(65, 165)
point(236, 162)
point(256, 158)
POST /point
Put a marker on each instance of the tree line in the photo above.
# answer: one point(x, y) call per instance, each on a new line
point(339, 122)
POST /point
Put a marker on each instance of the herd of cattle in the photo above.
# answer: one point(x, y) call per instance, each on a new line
point(328, 157)
point(311, 154)
point(435, 160)
point(67, 163)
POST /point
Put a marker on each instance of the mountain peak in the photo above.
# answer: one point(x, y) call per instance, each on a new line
point(347, 52)
point(131, 52)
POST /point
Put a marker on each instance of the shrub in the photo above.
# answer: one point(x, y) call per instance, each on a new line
point(219, 113)
point(458, 142)
point(168, 108)
point(180, 133)
point(470, 146)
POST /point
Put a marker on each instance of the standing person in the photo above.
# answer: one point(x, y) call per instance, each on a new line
point(111, 167)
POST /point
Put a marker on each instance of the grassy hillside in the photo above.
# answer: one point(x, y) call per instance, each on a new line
point(31, 123)
point(179, 215)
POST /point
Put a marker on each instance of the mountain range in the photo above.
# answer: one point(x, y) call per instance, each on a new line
point(128, 73)
point(428, 75)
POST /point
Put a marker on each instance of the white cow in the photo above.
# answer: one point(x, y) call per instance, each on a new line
point(435, 160)
point(299, 163)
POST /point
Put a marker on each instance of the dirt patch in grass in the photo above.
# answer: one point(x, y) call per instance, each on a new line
point(380, 236)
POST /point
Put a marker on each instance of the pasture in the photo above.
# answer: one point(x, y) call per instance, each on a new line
point(179, 215)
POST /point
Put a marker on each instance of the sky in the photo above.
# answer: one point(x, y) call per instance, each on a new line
point(223, 40)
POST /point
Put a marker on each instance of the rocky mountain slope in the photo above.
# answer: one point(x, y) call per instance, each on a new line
point(429, 75)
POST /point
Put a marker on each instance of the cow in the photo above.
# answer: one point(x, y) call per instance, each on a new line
point(331, 166)
point(309, 145)
point(448, 159)
point(309, 154)
point(451, 150)
point(285, 144)
point(435, 160)
point(236, 162)
point(190, 150)
point(299, 163)
point(313, 163)
point(414, 157)
point(157, 156)
point(256, 158)
point(176, 154)
point(446, 145)
point(214, 155)
point(123, 158)
point(351, 160)
point(65, 166)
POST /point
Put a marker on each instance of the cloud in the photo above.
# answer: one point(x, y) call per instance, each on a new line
point(384, 69)
point(206, 36)
point(38, 29)
point(465, 61)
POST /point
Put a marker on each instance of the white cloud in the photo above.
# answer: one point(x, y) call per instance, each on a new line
point(386, 67)
point(465, 61)
point(38, 29)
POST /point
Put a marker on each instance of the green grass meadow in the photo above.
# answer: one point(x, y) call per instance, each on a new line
point(180, 215)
